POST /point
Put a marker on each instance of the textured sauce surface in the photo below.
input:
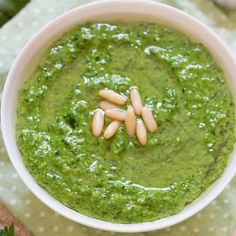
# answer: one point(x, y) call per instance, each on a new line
point(118, 180)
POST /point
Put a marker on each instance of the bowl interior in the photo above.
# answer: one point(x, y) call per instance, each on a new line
point(140, 11)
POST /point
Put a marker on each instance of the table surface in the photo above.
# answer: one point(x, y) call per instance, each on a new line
point(218, 219)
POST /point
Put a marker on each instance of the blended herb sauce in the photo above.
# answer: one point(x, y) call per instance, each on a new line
point(118, 180)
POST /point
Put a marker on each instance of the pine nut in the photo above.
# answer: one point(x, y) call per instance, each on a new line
point(116, 114)
point(98, 122)
point(105, 105)
point(136, 100)
point(149, 119)
point(113, 97)
point(141, 132)
point(130, 122)
point(111, 129)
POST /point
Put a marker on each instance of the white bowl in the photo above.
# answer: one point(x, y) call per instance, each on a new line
point(28, 58)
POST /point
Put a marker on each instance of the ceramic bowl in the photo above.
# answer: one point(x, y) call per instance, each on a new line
point(130, 10)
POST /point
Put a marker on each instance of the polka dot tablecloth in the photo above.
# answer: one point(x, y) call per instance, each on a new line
point(218, 219)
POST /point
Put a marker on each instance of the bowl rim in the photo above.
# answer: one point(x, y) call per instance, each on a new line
point(40, 193)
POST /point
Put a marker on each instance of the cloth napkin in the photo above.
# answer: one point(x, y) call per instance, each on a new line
point(218, 219)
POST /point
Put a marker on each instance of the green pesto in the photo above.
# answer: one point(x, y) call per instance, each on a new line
point(118, 180)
